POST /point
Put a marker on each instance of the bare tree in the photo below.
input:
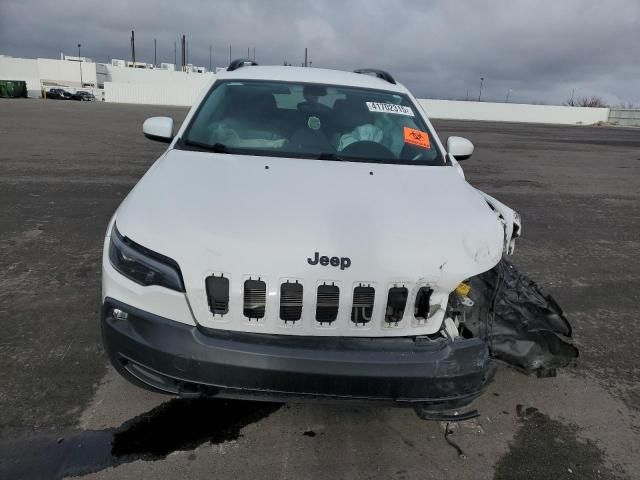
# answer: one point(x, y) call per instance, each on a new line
point(595, 102)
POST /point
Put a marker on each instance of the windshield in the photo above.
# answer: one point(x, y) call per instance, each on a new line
point(311, 121)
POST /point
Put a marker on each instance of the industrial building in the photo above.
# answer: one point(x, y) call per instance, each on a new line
point(146, 82)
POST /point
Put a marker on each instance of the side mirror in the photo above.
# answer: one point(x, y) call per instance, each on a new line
point(460, 148)
point(158, 128)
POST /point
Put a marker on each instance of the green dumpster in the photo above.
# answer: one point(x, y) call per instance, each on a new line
point(13, 89)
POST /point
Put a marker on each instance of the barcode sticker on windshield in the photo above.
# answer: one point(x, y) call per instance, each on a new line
point(390, 108)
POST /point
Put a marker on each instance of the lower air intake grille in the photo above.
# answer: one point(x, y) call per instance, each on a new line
point(327, 303)
point(362, 308)
point(218, 294)
point(290, 302)
point(396, 303)
point(255, 296)
point(423, 302)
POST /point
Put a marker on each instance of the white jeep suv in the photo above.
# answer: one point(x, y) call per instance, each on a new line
point(304, 236)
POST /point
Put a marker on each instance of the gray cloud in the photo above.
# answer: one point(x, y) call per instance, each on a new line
point(540, 49)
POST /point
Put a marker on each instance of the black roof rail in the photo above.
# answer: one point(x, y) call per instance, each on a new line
point(378, 73)
point(240, 62)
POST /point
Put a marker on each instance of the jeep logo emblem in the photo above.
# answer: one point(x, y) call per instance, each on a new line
point(342, 262)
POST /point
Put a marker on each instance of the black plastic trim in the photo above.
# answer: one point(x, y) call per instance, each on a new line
point(378, 73)
point(240, 62)
point(171, 356)
point(157, 138)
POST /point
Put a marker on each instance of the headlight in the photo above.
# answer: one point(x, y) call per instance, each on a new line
point(142, 265)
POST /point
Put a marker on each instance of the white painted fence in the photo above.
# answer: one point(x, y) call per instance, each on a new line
point(184, 91)
point(514, 112)
point(162, 87)
point(626, 117)
point(181, 94)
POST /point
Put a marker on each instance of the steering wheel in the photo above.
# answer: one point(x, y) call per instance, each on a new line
point(367, 148)
point(305, 139)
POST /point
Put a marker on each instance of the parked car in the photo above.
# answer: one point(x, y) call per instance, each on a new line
point(84, 96)
point(307, 236)
point(58, 94)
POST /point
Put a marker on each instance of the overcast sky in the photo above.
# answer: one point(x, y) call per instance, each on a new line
point(542, 50)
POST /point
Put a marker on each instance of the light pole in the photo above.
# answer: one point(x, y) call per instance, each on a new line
point(80, 63)
point(509, 93)
point(480, 94)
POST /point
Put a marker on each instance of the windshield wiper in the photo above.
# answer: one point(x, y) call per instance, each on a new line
point(329, 156)
point(216, 147)
point(346, 158)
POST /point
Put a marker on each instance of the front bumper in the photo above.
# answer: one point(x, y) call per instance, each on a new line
point(190, 360)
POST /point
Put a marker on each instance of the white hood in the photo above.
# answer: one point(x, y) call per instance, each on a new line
point(263, 216)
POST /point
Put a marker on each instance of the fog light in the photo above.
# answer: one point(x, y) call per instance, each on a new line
point(119, 314)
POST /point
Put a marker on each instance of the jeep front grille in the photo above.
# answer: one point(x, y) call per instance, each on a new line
point(327, 303)
point(401, 306)
point(396, 303)
point(255, 297)
point(218, 294)
point(362, 308)
point(290, 302)
point(423, 303)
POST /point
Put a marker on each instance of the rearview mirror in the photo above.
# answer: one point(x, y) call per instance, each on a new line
point(158, 128)
point(460, 148)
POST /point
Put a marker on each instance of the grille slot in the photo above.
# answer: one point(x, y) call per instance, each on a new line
point(255, 298)
point(396, 303)
point(362, 307)
point(327, 303)
point(290, 301)
point(217, 294)
point(423, 303)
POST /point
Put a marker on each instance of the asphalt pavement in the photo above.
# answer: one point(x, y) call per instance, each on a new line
point(64, 168)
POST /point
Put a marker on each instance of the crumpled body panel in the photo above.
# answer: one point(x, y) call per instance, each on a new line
point(524, 327)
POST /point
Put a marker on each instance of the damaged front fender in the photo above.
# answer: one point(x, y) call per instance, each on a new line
point(522, 326)
point(510, 220)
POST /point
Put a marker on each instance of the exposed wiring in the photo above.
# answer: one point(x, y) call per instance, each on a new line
point(447, 432)
point(491, 314)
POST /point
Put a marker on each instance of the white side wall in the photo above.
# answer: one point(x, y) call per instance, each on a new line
point(513, 112)
point(161, 87)
point(165, 87)
point(24, 69)
point(149, 76)
point(182, 93)
point(155, 87)
point(65, 72)
point(55, 72)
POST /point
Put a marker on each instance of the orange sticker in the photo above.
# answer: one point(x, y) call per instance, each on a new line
point(416, 137)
